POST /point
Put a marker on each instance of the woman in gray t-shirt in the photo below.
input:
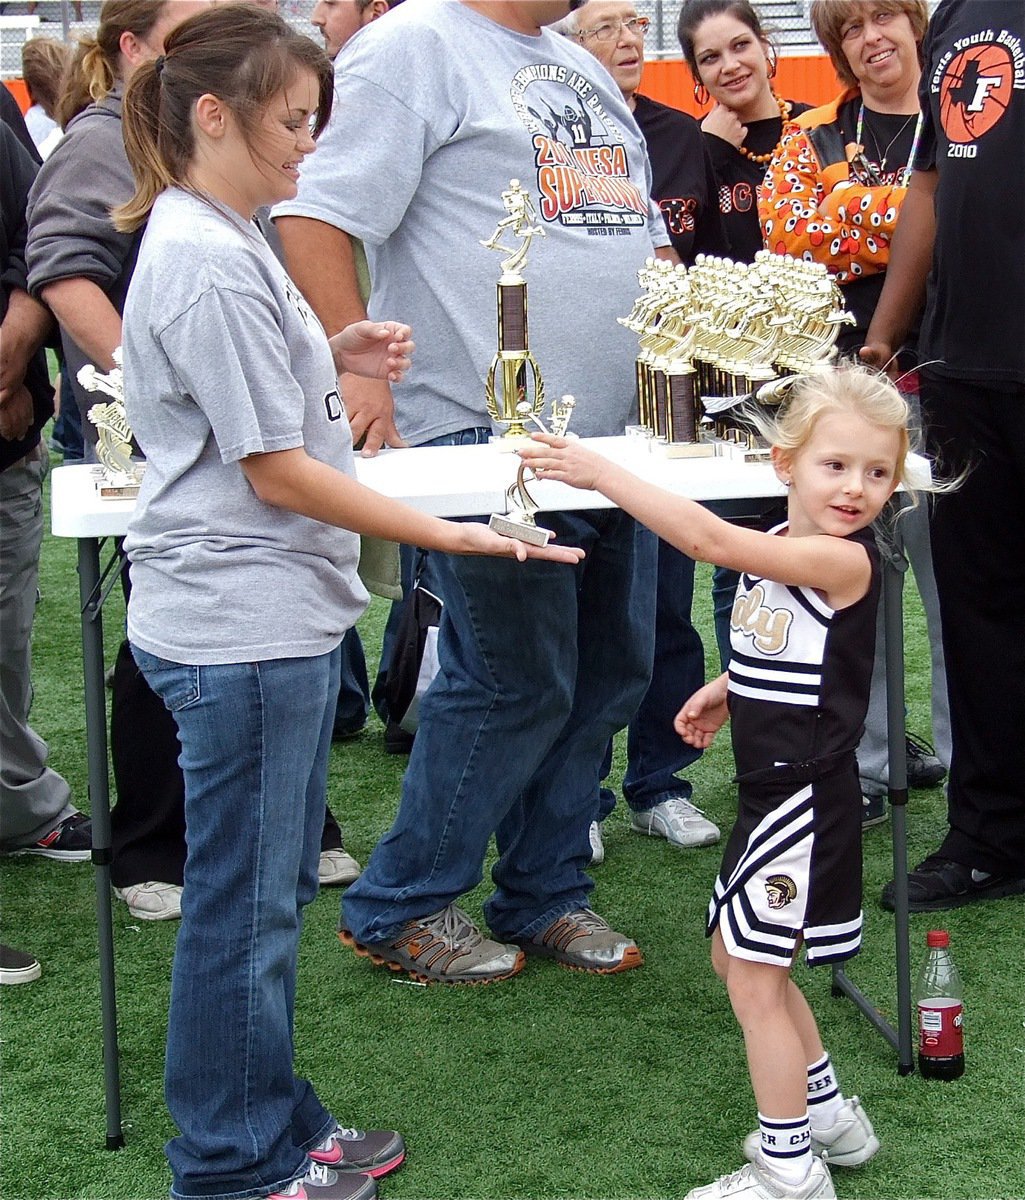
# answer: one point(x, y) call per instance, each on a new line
point(244, 559)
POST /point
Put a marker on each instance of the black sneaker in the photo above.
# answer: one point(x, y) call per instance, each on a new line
point(937, 883)
point(873, 810)
point(18, 967)
point(924, 769)
point(70, 841)
point(396, 740)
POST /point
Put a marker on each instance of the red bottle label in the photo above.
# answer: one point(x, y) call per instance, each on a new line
point(940, 1022)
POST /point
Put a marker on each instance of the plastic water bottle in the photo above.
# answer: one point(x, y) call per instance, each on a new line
point(938, 995)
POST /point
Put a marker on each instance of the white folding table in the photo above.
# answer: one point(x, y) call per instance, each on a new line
point(449, 481)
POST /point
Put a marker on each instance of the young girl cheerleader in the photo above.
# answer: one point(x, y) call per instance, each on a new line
point(803, 634)
point(244, 580)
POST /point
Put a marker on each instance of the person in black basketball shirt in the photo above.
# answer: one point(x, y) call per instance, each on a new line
point(733, 63)
point(833, 193)
point(796, 693)
point(964, 217)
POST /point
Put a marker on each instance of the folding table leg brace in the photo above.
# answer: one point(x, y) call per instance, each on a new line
point(894, 567)
point(93, 589)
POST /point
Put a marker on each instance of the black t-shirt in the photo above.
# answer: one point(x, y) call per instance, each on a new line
point(973, 97)
point(887, 139)
point(683, 183)
point(737, 181)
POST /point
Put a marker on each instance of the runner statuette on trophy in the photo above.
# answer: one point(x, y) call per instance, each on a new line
point(519, 521)
point(117, 477)
point(514, 387)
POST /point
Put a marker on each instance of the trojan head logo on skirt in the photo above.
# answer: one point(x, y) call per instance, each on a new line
point(781, 890)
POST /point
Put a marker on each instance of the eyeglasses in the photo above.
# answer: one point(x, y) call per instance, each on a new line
point(638, 26)
point(852, 31)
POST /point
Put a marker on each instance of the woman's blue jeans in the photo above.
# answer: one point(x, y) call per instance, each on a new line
point(540, 664)
point(255, 740)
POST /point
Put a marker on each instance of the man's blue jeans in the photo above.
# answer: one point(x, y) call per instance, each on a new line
point(540, 664)
point(409, 557)
point(655, 751)
point(255, 740)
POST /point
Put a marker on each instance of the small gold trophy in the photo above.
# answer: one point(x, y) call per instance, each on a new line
point(117, 477)
point(519, 521)
point(514, 387)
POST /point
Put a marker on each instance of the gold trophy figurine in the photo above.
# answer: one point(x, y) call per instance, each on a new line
point(514, 372)
point(519, 521)
point(118, 476)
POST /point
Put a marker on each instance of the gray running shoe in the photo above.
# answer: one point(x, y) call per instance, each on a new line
point(584, 941)
point(681, 823)
point(445, 947)
point(321, 1183)
point(849, 1142)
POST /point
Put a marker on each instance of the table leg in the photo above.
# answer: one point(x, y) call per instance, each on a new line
point(91, 595)
point(894, 566)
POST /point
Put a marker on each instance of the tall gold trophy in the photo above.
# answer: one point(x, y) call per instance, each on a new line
point(514, 387)
point(118, 476)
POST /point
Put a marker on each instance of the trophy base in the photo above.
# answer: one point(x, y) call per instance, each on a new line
point(739, 452)
point(682, 449)
point(509, 527)
point(508, 443)
point(116, 485)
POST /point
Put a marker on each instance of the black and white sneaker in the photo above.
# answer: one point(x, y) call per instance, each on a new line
point(70, 841)
point(18, 967)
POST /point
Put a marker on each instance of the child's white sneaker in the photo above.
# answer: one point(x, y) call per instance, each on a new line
point(755, 1182)
point(849, 1142)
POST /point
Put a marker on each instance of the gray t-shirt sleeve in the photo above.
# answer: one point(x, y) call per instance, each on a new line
point(394, 143)
point(232, 361)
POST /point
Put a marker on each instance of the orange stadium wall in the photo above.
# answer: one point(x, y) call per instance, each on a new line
point(668, 80)
point(811, 79)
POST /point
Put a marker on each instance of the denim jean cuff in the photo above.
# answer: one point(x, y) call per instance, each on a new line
point(542, 922)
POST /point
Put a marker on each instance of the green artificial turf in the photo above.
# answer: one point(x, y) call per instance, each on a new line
point(554, 1084)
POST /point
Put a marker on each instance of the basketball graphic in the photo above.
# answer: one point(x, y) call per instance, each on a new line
point(975, 92)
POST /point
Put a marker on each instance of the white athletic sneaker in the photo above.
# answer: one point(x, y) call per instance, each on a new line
point(597, 844)
point(754, 1182)
point(849, 1142)
point(678, 821)
point(337, 868)
point(153, 901)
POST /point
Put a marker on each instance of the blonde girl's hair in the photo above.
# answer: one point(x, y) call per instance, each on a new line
point(828, 18)
point(847, 388)
point(43, 63)
point(95, 67)
point(243, 55)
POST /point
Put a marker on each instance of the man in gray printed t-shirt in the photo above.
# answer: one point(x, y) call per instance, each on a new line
point(436, 110)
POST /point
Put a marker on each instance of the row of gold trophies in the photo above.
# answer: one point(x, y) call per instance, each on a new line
point(713, 338)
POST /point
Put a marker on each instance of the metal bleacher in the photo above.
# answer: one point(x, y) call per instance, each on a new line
point(786, 20)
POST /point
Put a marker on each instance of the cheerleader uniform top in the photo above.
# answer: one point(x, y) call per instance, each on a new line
point(799, 676)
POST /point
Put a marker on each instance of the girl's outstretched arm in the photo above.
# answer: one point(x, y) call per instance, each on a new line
point(704, 714)
point(293, 480)
point(835, 566)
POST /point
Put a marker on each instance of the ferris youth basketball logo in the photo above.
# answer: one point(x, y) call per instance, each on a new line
point(975, 82)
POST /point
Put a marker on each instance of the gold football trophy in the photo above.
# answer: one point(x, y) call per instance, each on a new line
point(514, 387)
point(118, 475)
point(519, 521)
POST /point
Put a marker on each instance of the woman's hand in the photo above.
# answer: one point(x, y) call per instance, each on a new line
point(472, 537)
point(376, 349)
point(704, 714)
point(564, 459)
point(724, 123)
